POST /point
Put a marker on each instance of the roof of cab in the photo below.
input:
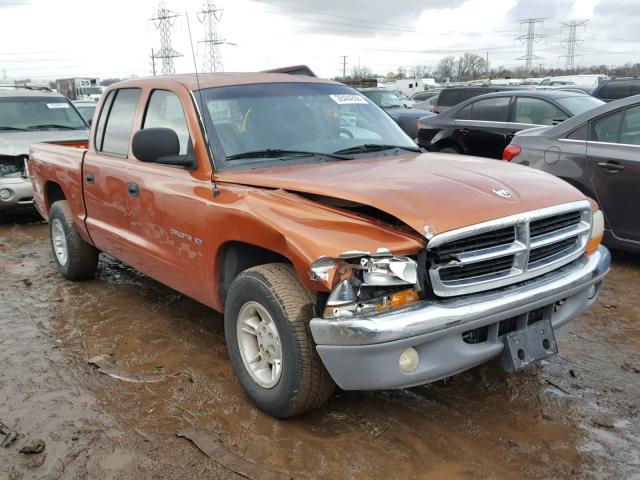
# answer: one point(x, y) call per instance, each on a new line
point(227, 79)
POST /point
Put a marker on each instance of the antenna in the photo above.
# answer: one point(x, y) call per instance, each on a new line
point(216, 192)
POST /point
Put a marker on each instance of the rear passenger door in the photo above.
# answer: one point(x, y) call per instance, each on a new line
point(613, 156)
point(481, 127)
point(105, 174)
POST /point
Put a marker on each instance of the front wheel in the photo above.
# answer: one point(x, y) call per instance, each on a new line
point(266, 323)
point(75, 259)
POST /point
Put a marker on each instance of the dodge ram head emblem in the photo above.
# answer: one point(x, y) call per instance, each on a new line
point(502, 192)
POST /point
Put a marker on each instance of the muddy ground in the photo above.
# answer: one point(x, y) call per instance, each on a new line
point(574, 416)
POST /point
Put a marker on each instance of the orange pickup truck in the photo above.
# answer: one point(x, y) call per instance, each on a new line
point(339, 252)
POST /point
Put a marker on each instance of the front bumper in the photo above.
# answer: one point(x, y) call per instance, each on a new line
point(21, 193)
point(362, 353)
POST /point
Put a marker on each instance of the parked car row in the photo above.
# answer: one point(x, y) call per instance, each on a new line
point(30, 116)
point(598, 152)
point(485, 124)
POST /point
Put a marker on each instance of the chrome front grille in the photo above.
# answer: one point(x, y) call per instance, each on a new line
point(508, 250)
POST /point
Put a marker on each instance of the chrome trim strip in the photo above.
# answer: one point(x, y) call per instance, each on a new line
point(520, 248)
point(442, 315)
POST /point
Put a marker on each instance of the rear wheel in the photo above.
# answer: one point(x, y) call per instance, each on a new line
point(75, 259)
point(266, 322)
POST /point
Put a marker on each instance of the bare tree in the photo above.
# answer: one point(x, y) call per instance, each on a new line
point(446, 67)
point(471, 67)
point(359, 72)
point(401, 73)
point(420, 71)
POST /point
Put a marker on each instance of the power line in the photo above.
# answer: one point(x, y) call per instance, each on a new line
point(572, 42)
point(530, 39)
point(164, 20)
point(210, 16)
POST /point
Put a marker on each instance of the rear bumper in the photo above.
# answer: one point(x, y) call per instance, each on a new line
point(362, 353)
point(20, 191)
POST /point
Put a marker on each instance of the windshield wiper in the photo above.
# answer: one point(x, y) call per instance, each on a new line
point(13, 128)
point(276, 153)
point(375, 147)
point(50, 125)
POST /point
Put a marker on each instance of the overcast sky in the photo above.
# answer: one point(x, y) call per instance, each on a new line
point(62, 38)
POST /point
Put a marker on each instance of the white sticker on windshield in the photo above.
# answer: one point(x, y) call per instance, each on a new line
point(58, 105)
point(346, 99)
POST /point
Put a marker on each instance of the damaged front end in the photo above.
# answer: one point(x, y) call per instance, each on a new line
point(364, 283)
point(13, 166)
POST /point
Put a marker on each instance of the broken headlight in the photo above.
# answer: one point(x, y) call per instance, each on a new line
point(362, 283)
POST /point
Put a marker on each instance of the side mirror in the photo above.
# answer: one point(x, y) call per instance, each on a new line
point(90, 121)
point(159, 145)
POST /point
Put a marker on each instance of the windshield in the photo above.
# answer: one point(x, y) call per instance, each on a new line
point(298, 118)
point(92, 90)
point(384, 98)
point(581, 104)
point(38, 113)
point(87, 111)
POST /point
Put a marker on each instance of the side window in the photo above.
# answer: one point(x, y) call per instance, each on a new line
point(165, 111)
point(606, 129)
point(104, 113)
point(635, 87)
point(580, 133)
point(117, 132)
point(630, 133)
point(615, 90)
point(545, 82)
point(535, 111)
point(490, 109)
point(464, 113)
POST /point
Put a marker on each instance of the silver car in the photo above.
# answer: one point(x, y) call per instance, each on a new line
point(26, 117)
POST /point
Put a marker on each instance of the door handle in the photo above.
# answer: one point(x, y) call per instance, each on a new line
point(90, 178)
point(610, 166)
point(464, 131)
point(133, 189)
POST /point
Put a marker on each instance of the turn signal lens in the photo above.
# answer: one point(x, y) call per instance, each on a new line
point(511, 152)
point(597, 232)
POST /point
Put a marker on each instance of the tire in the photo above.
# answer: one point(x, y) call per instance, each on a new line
point(81, 259)
point(450, 150)
point(302, 383)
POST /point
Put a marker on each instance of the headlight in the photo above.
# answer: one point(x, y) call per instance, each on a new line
point(6, 194)
point(363, 283)
point(597, 232)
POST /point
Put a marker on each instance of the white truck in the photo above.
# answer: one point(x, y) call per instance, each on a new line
point(80, 88)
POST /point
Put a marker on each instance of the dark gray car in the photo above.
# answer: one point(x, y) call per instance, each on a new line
point(406, 117)
point(599, 153)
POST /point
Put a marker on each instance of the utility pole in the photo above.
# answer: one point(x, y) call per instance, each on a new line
point(344, 66)
point(529, 40)
point(210, 16)
point(572, 42)
point(163, 21)
point(153, 63)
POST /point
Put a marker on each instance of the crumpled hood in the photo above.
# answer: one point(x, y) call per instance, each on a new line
point(17, 143)
point(442, 191)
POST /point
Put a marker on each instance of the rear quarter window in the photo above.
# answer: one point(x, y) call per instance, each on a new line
point(117, 131)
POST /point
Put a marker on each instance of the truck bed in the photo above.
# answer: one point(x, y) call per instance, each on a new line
point(60, 163)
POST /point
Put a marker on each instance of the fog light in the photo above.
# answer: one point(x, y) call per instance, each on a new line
point(6, 194)
point(593, 290)
point(409, 360)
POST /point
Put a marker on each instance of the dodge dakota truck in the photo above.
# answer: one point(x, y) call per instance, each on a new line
point(339, 252)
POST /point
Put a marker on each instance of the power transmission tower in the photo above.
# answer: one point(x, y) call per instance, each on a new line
point(210, 17)
point(572, 42)
point(344, 65)
point(163, 21)
point(530, 39)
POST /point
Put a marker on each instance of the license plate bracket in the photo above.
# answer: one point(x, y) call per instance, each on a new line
point(528, 345)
